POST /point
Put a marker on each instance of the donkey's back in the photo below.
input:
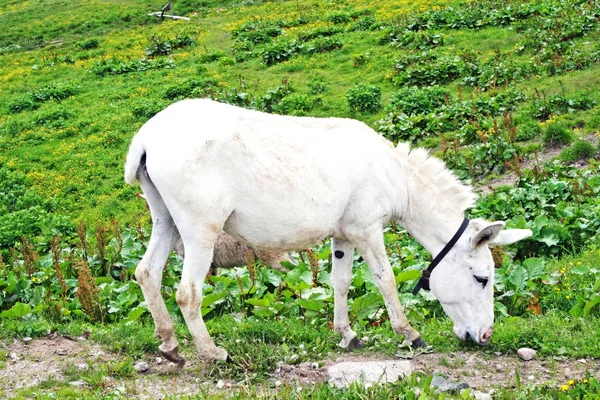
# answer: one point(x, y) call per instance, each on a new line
point(283, 182)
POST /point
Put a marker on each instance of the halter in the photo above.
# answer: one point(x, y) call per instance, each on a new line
point(424, 281)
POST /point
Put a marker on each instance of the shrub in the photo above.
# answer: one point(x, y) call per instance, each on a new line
point(164, 47)
point(191, 88)
point(279, 52)
point(556, 134)
point(317, 87)
point(365, 99)
point(148, 109)
point(113, 66)
point(89, 44)
point(211, 56)
point(295, 104)
point(528, 130)
point(580, 150)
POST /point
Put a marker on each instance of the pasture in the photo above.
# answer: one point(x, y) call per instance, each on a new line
point(505, 93)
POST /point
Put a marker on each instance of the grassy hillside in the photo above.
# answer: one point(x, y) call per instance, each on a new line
point(493, 88)
point(79, 78)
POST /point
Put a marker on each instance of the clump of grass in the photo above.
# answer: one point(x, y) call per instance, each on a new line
point(557, 134)
point(580, 150)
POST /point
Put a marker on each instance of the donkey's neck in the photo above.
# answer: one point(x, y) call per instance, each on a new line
point(434, 206)
point(431, 220)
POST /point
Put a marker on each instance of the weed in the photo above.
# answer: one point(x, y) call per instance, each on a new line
point(579, 150)
point(557, 134)
point(364, 98)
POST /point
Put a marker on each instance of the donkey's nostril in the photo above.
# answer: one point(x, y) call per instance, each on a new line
point(486, 336)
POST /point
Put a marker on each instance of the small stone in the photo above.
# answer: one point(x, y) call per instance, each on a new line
point(14, 356)
point(526, 354)
point(278, 383)
point(481, 395)
point(61, 352)
point(314, 365)
point(220, 384)
point(531, 377)
point(498, 367)
point(82, 367)
point(285, 367)
point(444, 386)
point(364, 340)
point(27, 340)
point(159, 360)
point(98, 354)
point(141, 366)
point(582, 360)
point(78, 383)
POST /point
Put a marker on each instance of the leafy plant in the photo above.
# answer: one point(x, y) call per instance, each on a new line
point(364, 98)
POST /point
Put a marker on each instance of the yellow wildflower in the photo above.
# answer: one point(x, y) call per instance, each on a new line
point(564, 388)
point(571, 382)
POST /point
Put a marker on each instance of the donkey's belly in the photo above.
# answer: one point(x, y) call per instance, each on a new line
point(280, 234)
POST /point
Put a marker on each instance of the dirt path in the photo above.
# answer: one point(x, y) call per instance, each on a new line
point(28, 365)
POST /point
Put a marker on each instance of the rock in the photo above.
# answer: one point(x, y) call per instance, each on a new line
point(27, 340)
point(498, 367)
point(278, 384)
point(444, 386)
point(526, 354)
point(141, 366)
point(14, 356)
point(531, 377)
point(220, 384)
point(82, 366)
point(283, 367)
point(368, 373)
point(482, 396)
point(78, 383)
point(61, 352)
point(159, 360)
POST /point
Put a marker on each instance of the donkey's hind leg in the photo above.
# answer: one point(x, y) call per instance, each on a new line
point(199, 240)
point(150, 269)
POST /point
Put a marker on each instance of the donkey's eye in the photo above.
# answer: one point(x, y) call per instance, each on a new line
point(481, 279)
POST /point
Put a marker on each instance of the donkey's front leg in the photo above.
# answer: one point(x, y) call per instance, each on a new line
point(341, 273)
point(373, 251)
point(198, 256)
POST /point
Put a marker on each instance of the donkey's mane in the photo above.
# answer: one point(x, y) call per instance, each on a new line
point(438, 175)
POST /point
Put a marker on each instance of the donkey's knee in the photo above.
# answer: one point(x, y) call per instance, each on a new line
point(189, 298)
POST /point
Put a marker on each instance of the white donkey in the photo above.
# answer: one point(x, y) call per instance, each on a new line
point(284, 183)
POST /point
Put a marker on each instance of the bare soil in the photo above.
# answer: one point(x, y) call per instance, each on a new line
point(28, 365)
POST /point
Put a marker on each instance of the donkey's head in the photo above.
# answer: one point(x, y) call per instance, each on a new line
point(463, 281)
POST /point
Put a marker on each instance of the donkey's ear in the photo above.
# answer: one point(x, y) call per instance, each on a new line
point(487, 234)
point(510, 236)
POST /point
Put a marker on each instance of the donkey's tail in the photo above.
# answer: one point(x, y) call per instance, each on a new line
point(134, 159)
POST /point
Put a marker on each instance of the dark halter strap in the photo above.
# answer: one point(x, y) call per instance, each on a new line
point(424, 281)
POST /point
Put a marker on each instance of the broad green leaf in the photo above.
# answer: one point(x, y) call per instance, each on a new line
point(363, 306)
point(591, 303)
point(17, 311)
point(310, 304)
point(136, 313)
point(405, 276)
point(263, 312)
point(259, 302)
point(214, 298)
point(518, 277)
point(535, 267)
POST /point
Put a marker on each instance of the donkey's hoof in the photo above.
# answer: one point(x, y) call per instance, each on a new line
point(173, 356)
point(418, 342)
point(217, 354)
point(356, 344)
